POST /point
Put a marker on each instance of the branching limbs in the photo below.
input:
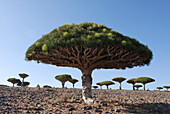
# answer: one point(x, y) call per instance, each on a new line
point(88, 58)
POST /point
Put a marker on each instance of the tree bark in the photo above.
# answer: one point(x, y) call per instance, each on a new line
point(63, 84)
point(133, 87)
point(144, 87)
point(87, 83)
point(73, 85)
point(13, 84)
point(120, 86)
point(22, 82)
point(100, 87)
point(107, 86)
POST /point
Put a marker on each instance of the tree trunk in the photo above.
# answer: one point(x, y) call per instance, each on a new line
point(13, 84)
point(144, 87)
point(120, 86)
point(86, 83)
point(100, 87)
point(62, 84)
point(22, 82)
point(107, 86)
point(137, 88)
point(73, 85)
point(133, 87)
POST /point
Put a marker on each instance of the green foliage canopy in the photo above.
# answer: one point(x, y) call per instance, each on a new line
point(99, 83)
point(131, 81)
point(23, 75)
point(137, 86)
point(13, 80)
point(119, 79)
point(63, 77)
point(166, 87)
point(73, 81)
point(95, 87)
point(107, 83)
point(47, 86)
point(88, 35)
point(144, 80)
point(159, 88)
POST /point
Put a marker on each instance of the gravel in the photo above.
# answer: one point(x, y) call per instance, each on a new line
point(58, 101)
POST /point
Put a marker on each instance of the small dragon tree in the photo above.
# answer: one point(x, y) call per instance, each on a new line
point(95, 87)
point(137, 86)
point(159, 88)
point(24, 84)
point(63, 78)
point(13, 81)
point(167, 87)
point(144, 81)
point(88, 46)
point(120, 80)
point(23, 76)
point(132, 81)
point(73, 81)
point(100, 84)
point(47, 86)
point(107, 83)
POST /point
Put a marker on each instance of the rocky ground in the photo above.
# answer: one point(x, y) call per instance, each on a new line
point(29, 100)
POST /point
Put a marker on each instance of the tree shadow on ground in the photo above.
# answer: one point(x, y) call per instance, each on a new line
point(153, 108)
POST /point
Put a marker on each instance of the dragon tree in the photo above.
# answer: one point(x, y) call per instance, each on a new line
point(132, 81)
point(100, 84)
point(120, 80)
point(73, 81)
point(167, 87)
point(159, 88)
point(63, 78)
point(13, 81)
point(88, 46)
point(107, 83)
point(95, 87)
point(144, 81)
point(137, 86)
point(23, 76)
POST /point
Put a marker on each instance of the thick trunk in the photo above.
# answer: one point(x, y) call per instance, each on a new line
point(133, 87)
point(137, 88)
point(22, 82)
point(120, 86)
point(144, 87)
point(100, 87)
point(107, 86)
point(73, 85)
point(86, 83)
point(13, 84)
point(62, 84)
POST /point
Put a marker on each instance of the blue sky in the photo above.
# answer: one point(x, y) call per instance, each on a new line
point(23, 22)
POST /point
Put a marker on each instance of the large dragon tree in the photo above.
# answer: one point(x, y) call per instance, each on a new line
point(88, 46)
